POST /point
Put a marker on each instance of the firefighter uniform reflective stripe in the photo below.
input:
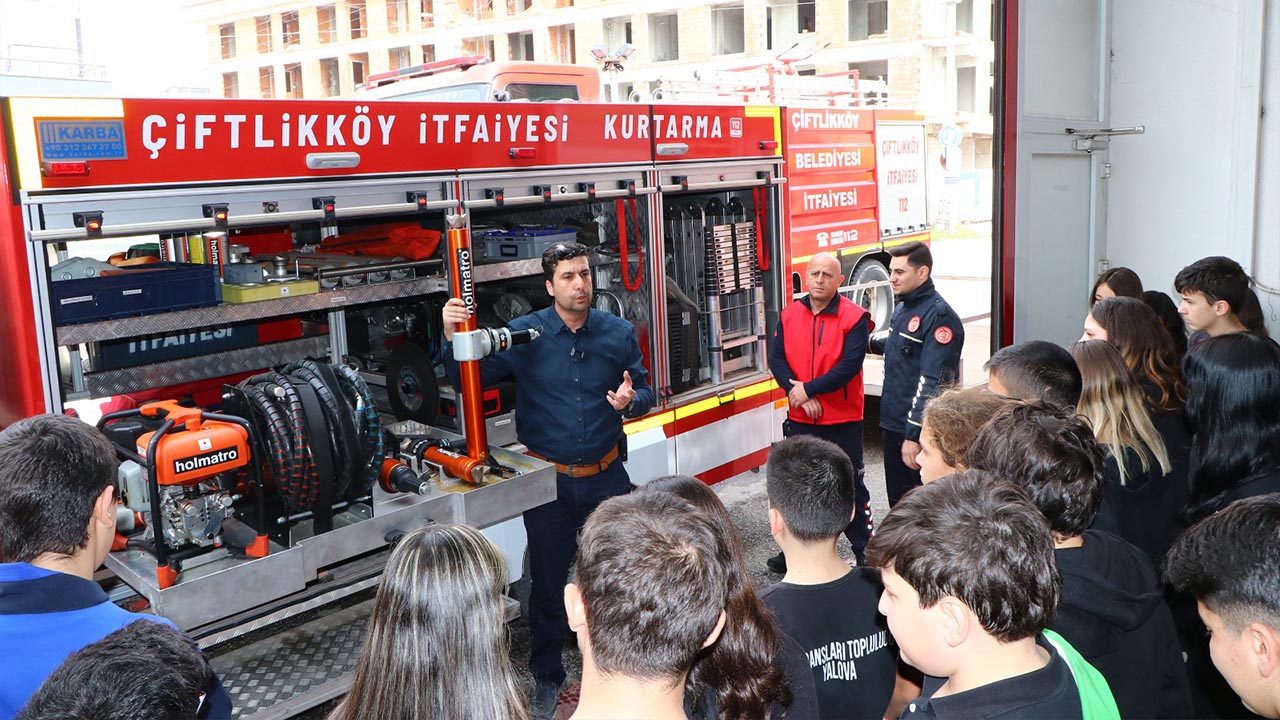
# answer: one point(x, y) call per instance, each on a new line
point(922, 354)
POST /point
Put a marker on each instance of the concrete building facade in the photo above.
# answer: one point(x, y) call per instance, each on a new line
point(933, 56)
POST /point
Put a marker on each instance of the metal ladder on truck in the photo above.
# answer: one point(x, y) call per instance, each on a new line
point(715, 264)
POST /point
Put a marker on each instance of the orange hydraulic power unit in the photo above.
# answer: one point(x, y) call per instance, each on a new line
point(195, 448)
point(181, 461)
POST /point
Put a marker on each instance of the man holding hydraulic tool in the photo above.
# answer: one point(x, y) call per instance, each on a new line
point(574, 385)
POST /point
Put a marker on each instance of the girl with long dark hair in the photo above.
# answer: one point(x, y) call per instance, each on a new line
point(1140, 336)
point(1116, 282)
point(436, 647)
point(1233, 409)
point(1143, 340)
point(741, 676)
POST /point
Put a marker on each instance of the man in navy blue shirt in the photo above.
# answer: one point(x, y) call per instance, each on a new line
point(574, 386)
point(57, 521)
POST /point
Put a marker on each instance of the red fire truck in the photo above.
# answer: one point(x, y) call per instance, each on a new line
point(170, 249)
point(684, 204)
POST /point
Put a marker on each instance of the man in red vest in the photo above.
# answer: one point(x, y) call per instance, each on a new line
point(816, 358)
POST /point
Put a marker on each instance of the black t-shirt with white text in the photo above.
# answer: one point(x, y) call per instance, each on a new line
point(846, 641)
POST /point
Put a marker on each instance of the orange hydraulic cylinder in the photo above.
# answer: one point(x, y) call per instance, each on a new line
point(456, 464)
point(470, 395)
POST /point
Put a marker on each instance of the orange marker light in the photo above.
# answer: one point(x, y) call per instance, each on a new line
point(91, 221)
point(218, 212)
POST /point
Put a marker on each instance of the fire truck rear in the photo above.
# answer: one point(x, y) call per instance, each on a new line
point(245, 296)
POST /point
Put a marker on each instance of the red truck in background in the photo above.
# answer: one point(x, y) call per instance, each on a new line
point(474, 78)
point(856, 187)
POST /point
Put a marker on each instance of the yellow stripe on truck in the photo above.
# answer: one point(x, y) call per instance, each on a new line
point(768, 111)
point(753, 390)
point(710, 403)
point(649, 423)
point(690, 410)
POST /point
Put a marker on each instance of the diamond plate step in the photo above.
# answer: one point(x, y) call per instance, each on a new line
point(302, 667)
point(296, 669)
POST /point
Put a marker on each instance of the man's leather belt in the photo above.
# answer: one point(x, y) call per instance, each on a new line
point(579, 471)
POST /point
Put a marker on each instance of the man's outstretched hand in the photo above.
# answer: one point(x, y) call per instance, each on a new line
point(623, 396)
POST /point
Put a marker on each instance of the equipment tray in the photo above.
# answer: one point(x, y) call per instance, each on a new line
point(149, 289)
point(525, 242)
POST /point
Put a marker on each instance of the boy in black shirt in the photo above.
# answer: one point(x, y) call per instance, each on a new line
point(1228, 562)
point(650, 586)
point(1113, 610)
point(1217, 299)
point(822, 603)
point(969, 587)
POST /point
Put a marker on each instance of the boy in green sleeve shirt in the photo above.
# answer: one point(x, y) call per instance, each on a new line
point(970, 586)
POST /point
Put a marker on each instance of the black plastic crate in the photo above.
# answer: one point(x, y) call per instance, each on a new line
point(146, 290)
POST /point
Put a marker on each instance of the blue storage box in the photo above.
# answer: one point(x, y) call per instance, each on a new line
point(145, 290)
point(524, 242)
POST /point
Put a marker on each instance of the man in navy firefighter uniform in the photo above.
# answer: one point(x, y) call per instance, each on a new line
point(921, 349)
point(816, 357)
point(574, 386)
